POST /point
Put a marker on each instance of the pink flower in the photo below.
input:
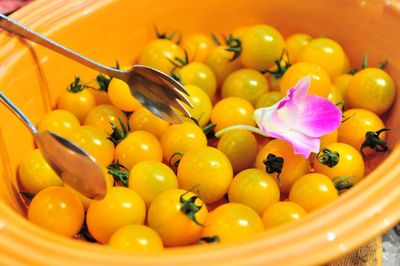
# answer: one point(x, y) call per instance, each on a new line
point(299, 118)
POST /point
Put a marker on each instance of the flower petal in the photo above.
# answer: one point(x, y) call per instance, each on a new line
point(302, 144)
point(301, 89)
point(317, 116)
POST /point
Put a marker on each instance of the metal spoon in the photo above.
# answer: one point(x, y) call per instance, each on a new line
point(153, 89)
point(74, 165)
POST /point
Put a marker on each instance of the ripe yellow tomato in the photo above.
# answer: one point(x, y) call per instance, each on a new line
point(326, 53)
point(320, 81)
point(232, 111)
point(200, 75)
point(254, 188)
point(329, 138)
point(58, 210)
point(60, 122)
point(231, 222)
point(268, 99)
point(78, 103)
point(159, 54)
point(197, 45)
point(313, 191)
point(121, 97)
point(105, 115)
point(136, 238)
point(143, 119)
point(181, 138)
point(294, 44)
point(35, 173)
point(206, 171)
point(151, 178)
point(94, 141)
point(248, 84)
point(261, 46)
point(137, 147)
point(348, 162)
point(234, 144)
point(178, 216)
point(282, 212)
point(372, 89)
point(357, 123)
point(294, 165)
point(120, 207)
point(342, 82)
point(335, 96)
point(202, 105)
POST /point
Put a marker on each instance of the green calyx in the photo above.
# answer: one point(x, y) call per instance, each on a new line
point(209, 130)
point(328, 157)
point(382, 65)
point(209, 239)
point(117, 135)
point(175, 164)
point(342, 182)
point(168, 36)
point(234, 45)
point(189, 207)
point(373, 141)
point(281, 67)
point(76, 86)
point(119, 172)
point(274, 164)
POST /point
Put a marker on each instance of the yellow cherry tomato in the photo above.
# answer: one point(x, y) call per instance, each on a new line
point(372, 89)
point(105, 115)
point(35, 173)
point(320, 81)
point(120, 207)
point(60, 122)
point(254, 188)
point(231, 222)
point(151, 178)
point(200, 75)
point(282, 212)
point(178, 216)
point(136, 238)
point(294, 165)
point(261, 46)
point(143, 119)
point(344, 162)
point(335, 96)
point(159, 54)
point(294, 44)
point(58, 210)
point(329, 138)
point(342, 82)
point(78, 103)
point(234, 144)
point(313, 191)
point(219, 60)
point(197, 45)
point(181, 138)
point(94, 141)
point(120, 96)
point(357, 122)
point(207, 171)
point(232, 111)
point(248, 84)
point(137, 147)
point(268, 99)
point(202, 105)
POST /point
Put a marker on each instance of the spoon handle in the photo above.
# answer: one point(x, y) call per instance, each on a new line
point(13, 108)
point(13, 26)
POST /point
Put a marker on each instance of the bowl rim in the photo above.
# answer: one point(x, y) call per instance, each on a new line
point(342, 231)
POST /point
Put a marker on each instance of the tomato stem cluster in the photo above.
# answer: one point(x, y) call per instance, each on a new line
point(274, 164)
point(76, 86)
point(342, 182)
point(119, 175)
point(117, 135)
point(373, 141)
point(189, 207)
point(328, 157)
point(209, 239)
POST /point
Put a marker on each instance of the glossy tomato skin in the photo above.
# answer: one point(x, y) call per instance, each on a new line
point(137, 147)
point(120, 207)
point(77, 103)
point(36, 174)
point(335, 96)
point(254, 188)
point(197, 45)
point(358, 123)
point(143, 119)
point(294, 44)
point(372, 89)
point(294, 165)
point(102, 116)
point(159, 52)
point(200, 75)
point(261, 46)
point(166, 216)
point(207, 171)
point(232, 111)
point(268, 99)
point(58, 210)
point(350, 163)
point(234, 144)
point(232, 222)
point(202, 105)
point(136, 238)
point(151, 178)
point(120, 96)
point(313, 191)
point(281, 213)
point(320, 81)
point(58, 121)
point(248, 84)
point(342, 82)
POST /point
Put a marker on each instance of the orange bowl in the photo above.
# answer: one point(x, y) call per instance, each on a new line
point(107, 30)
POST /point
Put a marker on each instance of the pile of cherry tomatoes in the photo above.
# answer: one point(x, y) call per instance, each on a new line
point(176, 185)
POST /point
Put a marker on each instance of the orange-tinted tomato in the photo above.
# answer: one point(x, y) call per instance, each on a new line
point(60, 122)
point(282, 212)
point(105, 115)
point(294, 44)
point(120, 96)
point(77, 103)
point(143, 119)
point(200, 75)
point(197, 45)
point(342, 82)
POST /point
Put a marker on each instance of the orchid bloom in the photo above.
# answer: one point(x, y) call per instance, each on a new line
point(299, 118)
